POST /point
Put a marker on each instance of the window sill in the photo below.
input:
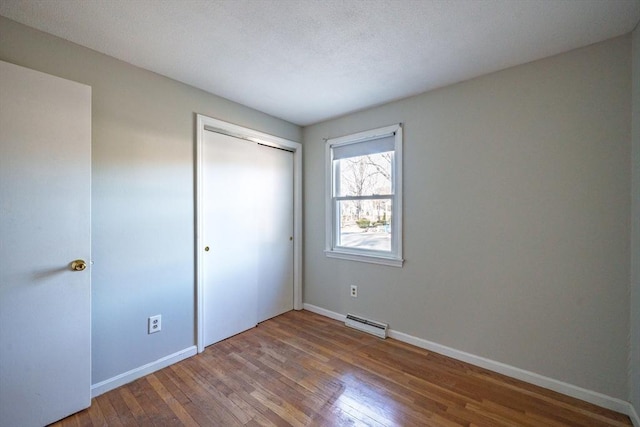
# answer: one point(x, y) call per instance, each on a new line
point(372, 259)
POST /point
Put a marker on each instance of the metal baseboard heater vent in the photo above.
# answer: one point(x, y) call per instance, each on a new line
point(365, 325)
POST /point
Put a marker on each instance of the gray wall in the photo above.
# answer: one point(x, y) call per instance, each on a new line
point(517, 218)
point(143, 193)
point(634, 358)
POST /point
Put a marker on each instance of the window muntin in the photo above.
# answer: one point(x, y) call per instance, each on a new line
point(364, 196)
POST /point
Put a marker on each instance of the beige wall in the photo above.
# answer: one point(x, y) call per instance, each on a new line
point(517, 218)
point(143, 194)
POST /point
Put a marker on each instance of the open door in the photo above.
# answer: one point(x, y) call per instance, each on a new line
point(45, 184)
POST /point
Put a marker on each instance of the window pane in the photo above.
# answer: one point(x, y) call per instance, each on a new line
point(364, 175)
point(365, 224)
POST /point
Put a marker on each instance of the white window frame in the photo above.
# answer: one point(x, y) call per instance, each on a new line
point(393, 257)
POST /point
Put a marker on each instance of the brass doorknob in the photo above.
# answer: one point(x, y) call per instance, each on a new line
point(78, 265)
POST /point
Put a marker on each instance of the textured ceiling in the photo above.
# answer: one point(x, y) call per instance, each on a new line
point(308, 60)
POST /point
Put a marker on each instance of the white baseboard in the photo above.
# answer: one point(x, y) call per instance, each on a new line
point(590, 396)
point(134, 374)
point(323, 312)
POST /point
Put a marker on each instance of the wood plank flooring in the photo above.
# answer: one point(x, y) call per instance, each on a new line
point(301, 369)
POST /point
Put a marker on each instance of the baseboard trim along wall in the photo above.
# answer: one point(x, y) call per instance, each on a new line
point(594, 397)
point(134, 374)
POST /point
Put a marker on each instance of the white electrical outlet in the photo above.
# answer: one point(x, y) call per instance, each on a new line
point(354, 291)
point(155, 324)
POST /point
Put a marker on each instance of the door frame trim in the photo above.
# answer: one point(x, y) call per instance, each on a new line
point(203, 124)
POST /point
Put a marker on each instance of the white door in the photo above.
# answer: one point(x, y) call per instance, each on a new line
point(275, 232)
point(247, 212)
point(45, 176)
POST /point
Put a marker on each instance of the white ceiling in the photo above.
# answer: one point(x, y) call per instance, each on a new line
point(309, 60)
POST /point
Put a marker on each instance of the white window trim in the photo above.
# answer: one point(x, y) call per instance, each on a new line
point(395, 258)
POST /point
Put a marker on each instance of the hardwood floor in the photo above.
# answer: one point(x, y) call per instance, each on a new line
point(302, 369)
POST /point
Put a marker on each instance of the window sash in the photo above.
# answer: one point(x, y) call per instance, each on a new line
point(336, 244)
point(373, 197)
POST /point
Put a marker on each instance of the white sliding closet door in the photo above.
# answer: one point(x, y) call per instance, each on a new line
point(275, 234)
point(247, 201)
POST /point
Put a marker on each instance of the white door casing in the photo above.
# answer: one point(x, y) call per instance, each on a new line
point(45, 187)
point(249, 304)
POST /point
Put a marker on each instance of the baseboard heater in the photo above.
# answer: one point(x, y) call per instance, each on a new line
point(370, 326)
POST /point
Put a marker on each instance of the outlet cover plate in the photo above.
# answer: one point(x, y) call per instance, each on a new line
point(155, 324)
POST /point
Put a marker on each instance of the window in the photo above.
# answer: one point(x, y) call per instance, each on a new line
point(364, 196)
